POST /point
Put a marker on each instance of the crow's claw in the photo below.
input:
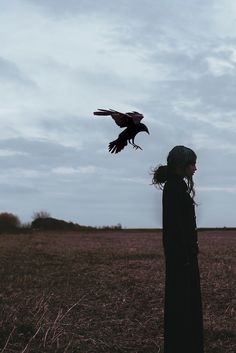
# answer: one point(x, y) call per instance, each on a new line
point(137, 147)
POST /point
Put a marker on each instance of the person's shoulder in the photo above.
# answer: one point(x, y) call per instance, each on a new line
point(175, 184)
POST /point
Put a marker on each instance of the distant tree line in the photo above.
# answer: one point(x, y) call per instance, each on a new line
point(42, 221)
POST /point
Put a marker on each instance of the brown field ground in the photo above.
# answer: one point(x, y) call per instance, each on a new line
point(103, 292)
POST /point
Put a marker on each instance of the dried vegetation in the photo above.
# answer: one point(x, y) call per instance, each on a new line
point(103, 292)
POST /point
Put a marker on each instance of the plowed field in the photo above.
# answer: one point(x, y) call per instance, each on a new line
point(104, 292)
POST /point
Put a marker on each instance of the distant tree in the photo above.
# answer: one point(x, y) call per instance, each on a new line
point(118, 226)
point(49, 223)
point(8, 222)
point(41, 214)
point(26, 225)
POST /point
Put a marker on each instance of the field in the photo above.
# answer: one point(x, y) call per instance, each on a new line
point(103, 292)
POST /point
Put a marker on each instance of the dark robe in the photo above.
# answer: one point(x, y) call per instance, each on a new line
point(183, 319)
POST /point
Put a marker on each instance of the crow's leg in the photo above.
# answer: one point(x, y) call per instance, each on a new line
point(134, 145)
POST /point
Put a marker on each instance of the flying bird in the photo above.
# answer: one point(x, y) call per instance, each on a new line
point(131, 121)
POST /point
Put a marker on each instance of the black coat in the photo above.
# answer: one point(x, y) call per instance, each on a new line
point(183, 321)
point(179, 222)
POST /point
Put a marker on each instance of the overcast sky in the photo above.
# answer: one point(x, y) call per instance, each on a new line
point(60, 60)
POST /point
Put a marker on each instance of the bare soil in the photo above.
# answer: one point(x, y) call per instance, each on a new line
point(104, 292)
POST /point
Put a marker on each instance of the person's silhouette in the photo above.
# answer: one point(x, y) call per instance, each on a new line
point(183, 318)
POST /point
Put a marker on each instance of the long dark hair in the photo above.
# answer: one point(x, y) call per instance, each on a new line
point(179, 157)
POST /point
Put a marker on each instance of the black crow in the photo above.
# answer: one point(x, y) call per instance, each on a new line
point(131, 121)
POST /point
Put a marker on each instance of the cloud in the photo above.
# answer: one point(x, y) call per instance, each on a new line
point(216, 188)
point(10, 72)
point(174, 61)
point(90, 169)
point(10, 153)
point(75, 66)
point(219, 67)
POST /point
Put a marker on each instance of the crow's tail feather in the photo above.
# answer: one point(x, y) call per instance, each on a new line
point(117, 145)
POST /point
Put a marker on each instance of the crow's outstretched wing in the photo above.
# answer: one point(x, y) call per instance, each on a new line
point(121, 119)
point(135, 116)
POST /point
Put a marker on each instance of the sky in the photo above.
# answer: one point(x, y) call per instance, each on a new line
point(174, 61)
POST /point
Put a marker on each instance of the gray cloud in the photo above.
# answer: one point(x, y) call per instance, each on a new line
point(10, 72)
point(174, 61)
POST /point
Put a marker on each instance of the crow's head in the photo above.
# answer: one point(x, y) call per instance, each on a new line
point(143, 128)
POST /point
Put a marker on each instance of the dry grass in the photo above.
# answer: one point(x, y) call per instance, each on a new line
point(103, 292)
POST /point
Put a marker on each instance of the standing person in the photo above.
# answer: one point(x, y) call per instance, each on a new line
point(183, 319)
